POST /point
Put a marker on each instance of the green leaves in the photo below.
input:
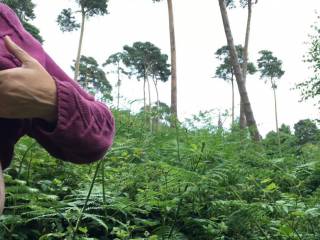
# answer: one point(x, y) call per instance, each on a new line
point(306, 131)
point(66, 21)
point(271, 187)
point(94, 79)
point(212, 192)
point(145, 60)
point(93, 7)
point(24, 9)
point(270, 67)
point(241, 3)
point(88, 8)
point(33, 30)
point(225, 69)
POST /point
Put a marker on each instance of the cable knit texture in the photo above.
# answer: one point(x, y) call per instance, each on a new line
point(85, 128)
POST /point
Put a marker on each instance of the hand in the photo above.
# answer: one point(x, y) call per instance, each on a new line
point(27, 91)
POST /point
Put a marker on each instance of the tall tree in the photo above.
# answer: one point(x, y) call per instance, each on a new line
point(270, 68)
point(25, 11)
point(93, 78)
point(116, 60)
point(244, 4)
point(225, 70)
point(174, 103)
point(68, 23)
point(239, 74)
point(146, 61)
point(160, 72)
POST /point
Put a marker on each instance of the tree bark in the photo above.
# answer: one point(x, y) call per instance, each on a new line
point(243, 122)
point(174, 108)
point(144, 97)
point(276, 111)
point(238, 74)
point(77, 64)
point(149, 107)
point(232, 85)
point(158, 104)
point(157, 93)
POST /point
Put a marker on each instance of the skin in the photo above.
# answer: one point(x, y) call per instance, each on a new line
point(25, 92)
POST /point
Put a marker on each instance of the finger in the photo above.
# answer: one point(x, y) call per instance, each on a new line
point(17, 51)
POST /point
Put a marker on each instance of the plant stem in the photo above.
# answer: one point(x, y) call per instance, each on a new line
point(87, 199)
point(103, 184)
point(177, 212)
point(23, 158)
point(29, 166)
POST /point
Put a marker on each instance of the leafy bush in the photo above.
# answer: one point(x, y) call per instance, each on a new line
point(184, 183)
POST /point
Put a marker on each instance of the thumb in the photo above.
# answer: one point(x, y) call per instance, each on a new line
point(17, 51)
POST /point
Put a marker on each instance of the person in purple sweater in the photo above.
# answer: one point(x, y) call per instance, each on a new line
point(38, 99)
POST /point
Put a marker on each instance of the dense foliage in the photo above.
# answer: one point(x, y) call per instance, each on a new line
point(185, 183)
point(93, 78)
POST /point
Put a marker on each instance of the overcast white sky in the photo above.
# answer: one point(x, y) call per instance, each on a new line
point(281, 26)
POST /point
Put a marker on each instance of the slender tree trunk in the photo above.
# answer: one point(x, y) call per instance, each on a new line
point(158, 103)
point(77, 64)
point(149, 95)
point(276, 111)
point(243, 122)
point(144, 96)
point(157, 93)
point(232, 85)
point(238, 74)
point(220, 124)
point(246, 42)
point(174, 107)
point(149, 107)
point(119, 83)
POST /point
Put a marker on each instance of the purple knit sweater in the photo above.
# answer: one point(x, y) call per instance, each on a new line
point(85, 128)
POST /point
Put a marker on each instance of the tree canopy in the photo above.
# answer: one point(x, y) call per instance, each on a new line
point(67, 21)
point(270, 67)
point(225, 70)
point(145, 60)
point(241, 3)
point(24, 8)
point(93, 78)
point(89, 8)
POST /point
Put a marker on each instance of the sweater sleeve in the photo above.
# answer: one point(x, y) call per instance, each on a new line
point(85, 128)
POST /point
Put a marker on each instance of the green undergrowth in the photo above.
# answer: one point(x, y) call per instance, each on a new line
point(185, 183)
